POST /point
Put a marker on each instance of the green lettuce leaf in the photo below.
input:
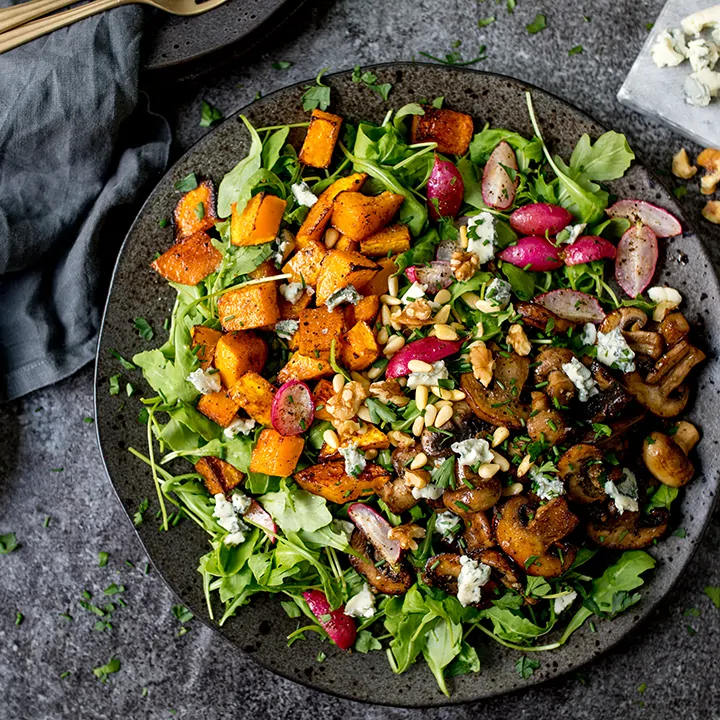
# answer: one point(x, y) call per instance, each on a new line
point(235, 187)
point(608, 159)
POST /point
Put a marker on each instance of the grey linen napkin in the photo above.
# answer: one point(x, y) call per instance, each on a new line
point(78, 150)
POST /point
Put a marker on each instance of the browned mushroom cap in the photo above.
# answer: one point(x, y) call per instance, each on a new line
point(545, 422)
point(385, 578)
point(581, 470)
point(666, 460)
point(549, 370)
point(612, 399)
point(478, 533)
point(662, 391)
point(629, 531)
point(500, 404)
point(442, 571)
point(542, 318)
point(509, 574)
point(397, 496)
point(527, 533)
point(631, 320)
point(482, 493)
point(674, 328)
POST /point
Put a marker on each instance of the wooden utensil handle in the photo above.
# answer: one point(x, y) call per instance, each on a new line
point(37, 28)
point(15, 15)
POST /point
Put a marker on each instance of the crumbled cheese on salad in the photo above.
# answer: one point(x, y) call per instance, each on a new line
point(481, 236)
point(285, 329)
point(571, 233)
point(589, 334)
point(429, 492)
point(625, 493)
point(499, 293)
point(447, 524)
point(473, 575)
point(292, 291)
point(414, 292)
point(205, 382)
point(613, 351)
point(228, 520)
point(474, 451)
point(303, 194)
point(239, 426)
point(545, 486)
point(439, 372)
point(664, 294)
point(347, 294)
point(581, 378)
point(240, 502)
point(282, 243)
point(361, 605)
point(564, 601)
point(354, 459)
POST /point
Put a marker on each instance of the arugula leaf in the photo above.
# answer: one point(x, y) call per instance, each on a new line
point(608, 159)
point(466, 662)
point(318, 95)
point(443, 475)
point(473, 192)
point(234, 187)
point(138, 517)
point(366, 642)
point(442, 645)
point(8, 543)
point(379, 412)
point(422, 251)
point(144, 330)
point(522, 282)
point(405, 111)
point(294, 509)
point(484, 142)
point(272, 147)
point(182, 613)
point(484, 22)
point(126, 364)
point(209, 114)
point(370, 79)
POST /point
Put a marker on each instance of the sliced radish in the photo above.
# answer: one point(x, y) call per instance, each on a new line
point(498, 189)
point(660, 221)
point(540, 219)
point(435, 276)
point(446, 248)
point(259, 516)
point(536, 253)
point(429, 350)
point(637, 255)
point(588, 248)
point(339, 626)
point(375, 528)
point(445, 190)
point(572, 305)
point(293, 408)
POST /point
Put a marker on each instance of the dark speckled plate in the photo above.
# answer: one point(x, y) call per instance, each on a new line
point(260, 628)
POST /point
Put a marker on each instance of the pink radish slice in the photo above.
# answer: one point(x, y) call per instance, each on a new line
point(536, 252)
point(588, 248)
point(572, 305)
point(498, 190)
point(637, 255)
point(446, 248)
point(660, 221)
point(293, 408)
point(259, 516)
point(376, 529)
point(540, 219)
point(445, 190)
point(339, 626)
point(429, 350)
point(435, 276)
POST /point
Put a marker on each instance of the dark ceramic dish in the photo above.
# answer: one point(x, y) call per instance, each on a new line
point(260, 629)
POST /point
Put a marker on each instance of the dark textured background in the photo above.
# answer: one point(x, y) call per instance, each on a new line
point(199, 675)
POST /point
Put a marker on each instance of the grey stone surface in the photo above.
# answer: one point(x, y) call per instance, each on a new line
point(198, 674)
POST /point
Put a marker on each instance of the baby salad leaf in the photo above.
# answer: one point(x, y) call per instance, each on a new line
point(526, 666)
point(294, 509)
point(318, 95)
point(234, 187)
point(365, 642)
point(662, 498)
point(608, 159)
point(443, 644)
point(484, 142)
point(272, 147)
point(465, 663)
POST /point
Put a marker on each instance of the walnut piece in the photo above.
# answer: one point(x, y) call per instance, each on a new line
point(482, 362)
point(345, 404)
point(681, 166)
point(415, 314)
point(711, 211)
point(464, 265)
point(406, 534)
point(389, 391)
point(346, 428)
point(518, 340)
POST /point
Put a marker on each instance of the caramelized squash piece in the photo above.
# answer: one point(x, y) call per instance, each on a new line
point(378, 284)
point(393, 239)
point(358, 216)
point(259, 222)
point(340, 269)
point(366, 310)
point(237, 353)
point(291, 311)
point(205, 339)
point(189, 261)
point(255, 395)
point(276, 454)
point(302, 367)
point(219, 407)
point(322, 393)
point(329, 480)
point(195, 211)
point(360, 349)
point(318, 328)
point(252, 306)
point(451, 130)
point(304, 265)
point(371, 439)
point(322, 135)
point(219, 476)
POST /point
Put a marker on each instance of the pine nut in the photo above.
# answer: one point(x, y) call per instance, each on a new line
point(502, 462)
point(443, 296)
point(442, 393)
point(445, 332)
point(457, 325)
point(357, 377)
point(470, 299)
point(364, 414)
point(457, 395)
point(443, 314)
point(524, 466)
point(443, 403)
point(385, 314)
point(488, 470)
point(399, 439)
point(419, 366)
point(402, 381)
point(499, 436)
point(331, 439)
point(390, 300)
point(371, 454)
point(418, 426)
point(514, 489)
point(443, 416)
point(463, 237)
point(338, 383)
point(382, 336)
point(421, 397)
point(416, 478)
point(430, 415)
point(394, 344)
point(331, 237)
point(393, 286)
point(418, 461)
point(374, 373)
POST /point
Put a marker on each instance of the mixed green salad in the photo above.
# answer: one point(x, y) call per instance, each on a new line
point(417, 385)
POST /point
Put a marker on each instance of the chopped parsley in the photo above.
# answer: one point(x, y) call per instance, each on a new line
point(317, 95)
point(538, 24)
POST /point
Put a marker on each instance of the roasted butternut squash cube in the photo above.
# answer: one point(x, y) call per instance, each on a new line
point(195, 211)
point(366, 310)
point(346, 243)
point(237, 353)
point(291, 311)
point(318, 218)
point(358, 216)
point(322, 393)
point(378, 284)
point(318, 328)
point(219, 407)
point(322, 135)
point(371, 439)
point(451, 130)
point(219, 476)
point(264, 269)
point(255, 395)
point(301, 367)
point(329, 480)
point(304, 265)
point(190, 260)
point(252, 306)
point(259, 222)
point(276, 454)
point(360, 349)
point(205, 339)
point(340, 269)
point(390, 240)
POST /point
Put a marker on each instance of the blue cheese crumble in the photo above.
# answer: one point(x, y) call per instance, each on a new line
point(571, 233)
point(348, 294)
point(613, 351)
point(303, 194)
point(361, 605)
point(474, 451)
point(229, 521)
point(239, 426)
point(481, 236)
point(589, 334)
point(563, 602)
point(205, 382)
point(429, 492)
point(414, 292)
point(439, 372)
point(473, 575)
point(499, 293)
point(292, 291)
point(669, 49)
point(581, 378)
point(286, 329)
point(447, 524)
point(354, 459)
point(625, 493)
point(545, 486)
